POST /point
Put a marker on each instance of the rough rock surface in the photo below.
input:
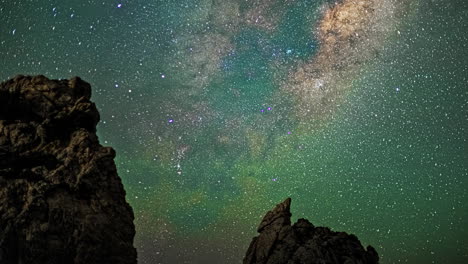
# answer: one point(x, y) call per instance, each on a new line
point(303, 243)
point(61, 200)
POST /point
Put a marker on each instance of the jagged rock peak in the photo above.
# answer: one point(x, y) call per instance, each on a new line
point(303, 243)
point(61, 200)
point(279, 216)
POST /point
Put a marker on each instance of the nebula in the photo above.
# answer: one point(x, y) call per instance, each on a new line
point(350, 34)
point(198, 58)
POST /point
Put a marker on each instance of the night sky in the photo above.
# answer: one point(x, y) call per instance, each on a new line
point(218, 110)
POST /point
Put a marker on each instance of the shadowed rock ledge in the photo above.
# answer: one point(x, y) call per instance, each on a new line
point(302, 243)
point(61, 200)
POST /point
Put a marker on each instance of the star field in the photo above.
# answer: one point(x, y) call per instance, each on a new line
point(218, 110)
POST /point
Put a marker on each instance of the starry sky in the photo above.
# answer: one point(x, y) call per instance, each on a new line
point(218, 110)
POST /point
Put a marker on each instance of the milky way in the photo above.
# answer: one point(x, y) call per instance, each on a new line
point(357, 109)
point(350, 34)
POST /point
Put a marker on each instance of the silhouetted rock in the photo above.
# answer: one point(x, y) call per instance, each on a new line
point(302, 243)
point(61, 200)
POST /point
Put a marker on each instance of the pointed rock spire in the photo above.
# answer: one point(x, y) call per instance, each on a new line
point(281, 243)
point(278, 217)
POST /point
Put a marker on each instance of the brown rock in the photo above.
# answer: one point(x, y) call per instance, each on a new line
point(61, 200)
point(302, 243)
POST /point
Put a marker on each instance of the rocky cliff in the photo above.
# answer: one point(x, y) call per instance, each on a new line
point(303, 243)
point(61, 200)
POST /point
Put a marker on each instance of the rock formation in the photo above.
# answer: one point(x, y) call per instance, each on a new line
point(61, 200)
point(302, 243)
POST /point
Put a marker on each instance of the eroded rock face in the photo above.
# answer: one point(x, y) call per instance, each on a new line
point(61, 200)
point(302, 243)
